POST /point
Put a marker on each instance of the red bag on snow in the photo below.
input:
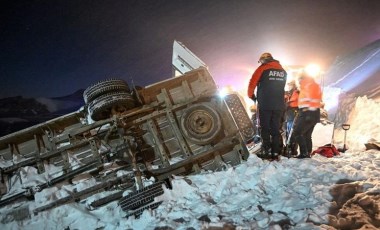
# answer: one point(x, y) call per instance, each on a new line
point(328, 150)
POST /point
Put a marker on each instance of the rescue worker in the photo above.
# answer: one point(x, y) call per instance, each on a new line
point(269, 79)
point(291, 101)
point(309, 103)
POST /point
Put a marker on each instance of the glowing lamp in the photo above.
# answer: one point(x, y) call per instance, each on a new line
point(226, 90)
point(313, 70)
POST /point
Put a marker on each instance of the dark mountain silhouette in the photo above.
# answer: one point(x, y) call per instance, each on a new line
point(76, 96)
point(69, 103)
point(18, 113)
point(21, 107)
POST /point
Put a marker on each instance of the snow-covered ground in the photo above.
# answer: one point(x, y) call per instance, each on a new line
point(342, 192)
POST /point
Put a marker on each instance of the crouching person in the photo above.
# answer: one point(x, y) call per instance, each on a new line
point(309, 103)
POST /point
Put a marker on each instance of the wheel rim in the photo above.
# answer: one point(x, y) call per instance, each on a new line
point(201, 124)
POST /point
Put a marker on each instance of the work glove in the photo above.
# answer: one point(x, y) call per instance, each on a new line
point(253, 97)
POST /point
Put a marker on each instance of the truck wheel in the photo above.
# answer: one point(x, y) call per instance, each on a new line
point(141, 197)
point(103, 87)
point(137, 213)
point(243, 122)
point(201, 124)
point(105, 105)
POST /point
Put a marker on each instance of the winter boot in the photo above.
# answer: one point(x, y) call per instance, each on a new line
point(303, 155)
point(264, 154)
point(303, 148)
point(275, 156)
point(293, 149)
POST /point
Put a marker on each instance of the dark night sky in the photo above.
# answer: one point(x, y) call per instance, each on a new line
point(54, 47)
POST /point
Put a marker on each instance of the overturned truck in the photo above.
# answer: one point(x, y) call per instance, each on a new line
point(124, 137)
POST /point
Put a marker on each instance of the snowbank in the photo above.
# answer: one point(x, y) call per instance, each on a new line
point(364, 125)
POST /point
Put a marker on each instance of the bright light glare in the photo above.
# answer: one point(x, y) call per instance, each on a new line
point(226, 90)
point(313, 70)
point(222, 93)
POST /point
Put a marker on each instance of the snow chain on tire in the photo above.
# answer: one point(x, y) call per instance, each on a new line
point(240, 116)
point(141, 197)
point(104, 87)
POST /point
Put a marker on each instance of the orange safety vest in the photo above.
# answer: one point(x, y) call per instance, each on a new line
point(292, 99)
point(310, 96)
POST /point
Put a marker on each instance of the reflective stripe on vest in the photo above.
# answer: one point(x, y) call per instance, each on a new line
point(310, 94)
point(309, 103)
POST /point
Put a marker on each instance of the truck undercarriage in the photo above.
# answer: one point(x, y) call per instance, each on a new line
point(123, 138)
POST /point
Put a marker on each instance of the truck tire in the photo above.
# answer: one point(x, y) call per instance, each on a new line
point(141, 197)
point(201, 124)
point(103, 87)
point(137, 213)
point(101, 107)
point(242, 120)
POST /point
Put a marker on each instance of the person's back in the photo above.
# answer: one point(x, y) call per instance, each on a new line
point(270, 79)
point(310, 96)
point(309, 103)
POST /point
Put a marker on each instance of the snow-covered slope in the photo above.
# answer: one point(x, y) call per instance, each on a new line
point(317, 193)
